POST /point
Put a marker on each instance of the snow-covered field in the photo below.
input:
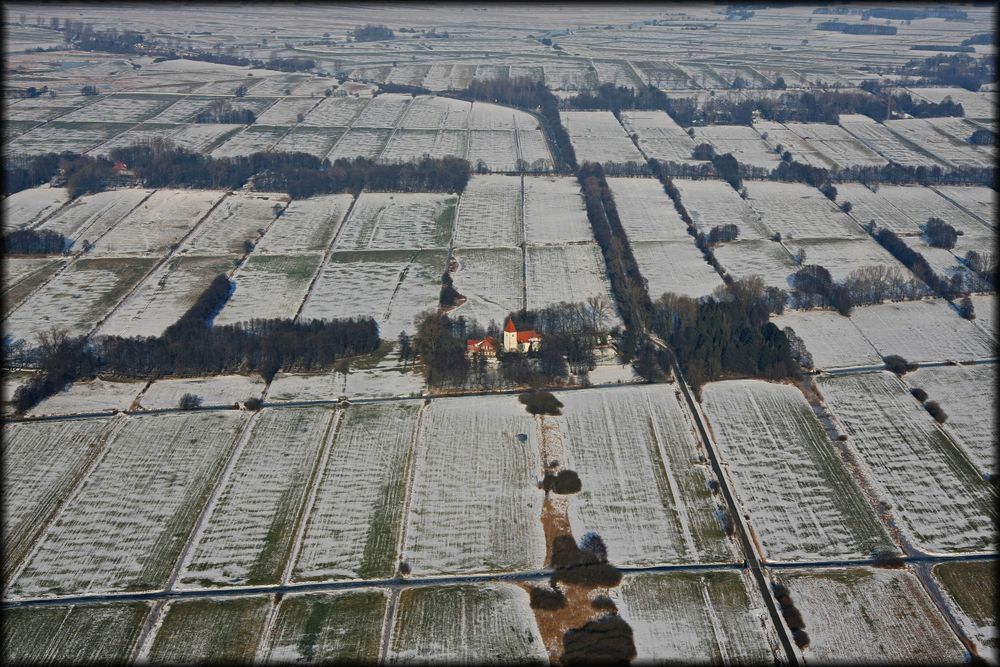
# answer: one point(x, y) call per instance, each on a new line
point(767, 259)
point(306, 225)
point(42, 463)
point(920, 203)
point(981, 202)
point(90, 216)
point(836, 145)
point(317, 141)
point(532, 146)
point(841, 256)
point(787, 475)
point(831, 339)
point(84, 397)
point(248, 532)
point(157, 223)
point(743, 142)
point(353, 526)
point(675, 267)
point(475, 505)
point(946, 142)
point(985, 306)
point(387, 379)
point(335, 112)
point(712, 203)
point(644, 491)
point(341, 627)
point(926, 330)
point(686, 617)
point(164, 296)
point(286, 111)
point(497, 149)
point(391, 286)
point(974, 104)
point(269, 286)
point(465, 624)
point(489, 213)
point(383, 221)
point(411, 145)
point(597, 136)
point(21, 275)
point(971, 592)
point(571, 273)
point(238, 218)
point(217, 390)
point(58, 137)
point(967, 394)
point(120, 109)
point(799, 211)
point(436, 113)
point(868, 206)
point(939, 500)
point(29, 207)
point(202, 138)
point(77, 298)
point(126, 524)
point(492, 280)
point(885, 142)
point(870, 615)
point(73, 634)
point(646, 212)
point(254, 139)
point(659, 136)
point(383, 111)
point(221, 630)
point(554, 211)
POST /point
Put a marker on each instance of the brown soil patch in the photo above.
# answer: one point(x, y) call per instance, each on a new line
point(577, 612)
point(550, 442)
point(555, 522)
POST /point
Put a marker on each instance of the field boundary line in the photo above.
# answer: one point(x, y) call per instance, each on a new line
point(107, 435)
point(326, 256)
point(388, 626)
point(963, 208)
point(404, 525)
point(140, 652)
point(194, 536)
point(265, 636)
point(524, 251)
point(315, 479)
point(395, 128)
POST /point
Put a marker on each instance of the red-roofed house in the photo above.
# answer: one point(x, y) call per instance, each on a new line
point(520, 341)
point(485, 346)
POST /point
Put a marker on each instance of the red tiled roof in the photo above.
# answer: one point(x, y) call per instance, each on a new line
point(525, 336)
point(509, 327)
point(476, 344)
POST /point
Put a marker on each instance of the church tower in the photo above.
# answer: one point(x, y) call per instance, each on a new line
point(509, 336)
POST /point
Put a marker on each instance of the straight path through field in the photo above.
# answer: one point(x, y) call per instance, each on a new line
point(399, 583)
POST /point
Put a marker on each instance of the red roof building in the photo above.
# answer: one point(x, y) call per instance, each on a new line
point(520, 341)
point(485, 346)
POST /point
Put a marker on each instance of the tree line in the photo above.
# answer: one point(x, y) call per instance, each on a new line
point(193, 346)
point(157, 163)
point(35, 242)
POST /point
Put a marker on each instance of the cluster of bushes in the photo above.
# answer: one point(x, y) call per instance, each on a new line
point(959, 69)
point(586, 563)
point(372, 33)
point(983, 137)
point(898, 364)
point(727, 334)
point(35, 242)
point(291, 64)
point(223, 112)
point(607, 640)
point(933, 407)
point(791, 615)
point(913, 13)
point(608, 97)
point(529, 95)
point(565, 482)
point(865, 286)
point(60, 360)
point(856, 28)
point(984, 266)
point(940, 234)
point(541, 403)
point(449, 296)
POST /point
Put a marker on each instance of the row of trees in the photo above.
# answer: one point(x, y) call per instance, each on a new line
point(192, 346)
point(221, 111)
point(627, 283)
point(959, 69)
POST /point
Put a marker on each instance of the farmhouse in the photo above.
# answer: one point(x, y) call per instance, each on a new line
point(484, 346)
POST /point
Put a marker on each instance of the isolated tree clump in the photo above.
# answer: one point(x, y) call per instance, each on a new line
point(898, 364)
point(541, 403)
point(563, 483)
point(606, 641)
point(919, 394)
point(547, 598)
point(189, 402)
point(940, 234)
point(935, 410)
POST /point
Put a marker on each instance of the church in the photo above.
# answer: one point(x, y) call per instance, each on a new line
point(513, 341)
